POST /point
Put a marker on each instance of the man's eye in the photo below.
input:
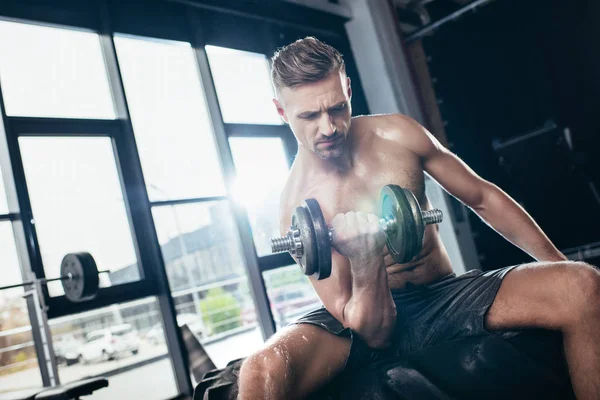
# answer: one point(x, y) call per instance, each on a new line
point(309, 116)
point(339, 108)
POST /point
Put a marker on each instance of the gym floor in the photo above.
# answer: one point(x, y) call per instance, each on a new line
point(143, 133)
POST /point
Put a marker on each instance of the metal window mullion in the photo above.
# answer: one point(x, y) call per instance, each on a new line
point(9, 216)
point(35, 126)
point(257, 283)
point(143, 223)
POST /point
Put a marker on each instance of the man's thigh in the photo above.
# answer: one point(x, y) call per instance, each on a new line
point(540, 295)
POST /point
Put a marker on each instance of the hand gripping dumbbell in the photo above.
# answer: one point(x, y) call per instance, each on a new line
point(309, 238)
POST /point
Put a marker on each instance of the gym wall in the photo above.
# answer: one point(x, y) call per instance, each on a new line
point(507, 70)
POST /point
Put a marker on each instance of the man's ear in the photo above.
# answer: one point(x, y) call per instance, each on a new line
point(349, 88)
point(280, 111)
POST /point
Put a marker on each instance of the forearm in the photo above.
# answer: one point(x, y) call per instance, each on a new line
point(370, 312)
point(511, 221)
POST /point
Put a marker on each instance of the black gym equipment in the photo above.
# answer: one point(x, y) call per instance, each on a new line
point(71, 390)
point(79, 276)
point(309, 239)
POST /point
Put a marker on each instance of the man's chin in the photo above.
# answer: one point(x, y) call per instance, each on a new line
point(330, 154)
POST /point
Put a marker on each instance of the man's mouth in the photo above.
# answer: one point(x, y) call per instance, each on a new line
point(330, 142)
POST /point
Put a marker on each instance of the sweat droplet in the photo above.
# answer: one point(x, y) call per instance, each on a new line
point(305, 339)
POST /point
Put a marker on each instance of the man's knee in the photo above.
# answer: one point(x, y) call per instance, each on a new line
point(270, 367)
point(580, 291)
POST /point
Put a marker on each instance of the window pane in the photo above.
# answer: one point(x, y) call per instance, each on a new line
point(78, 205)
point(207, 275)
point(3, 203)
point(290, 293)
point(261, 172)
point(170, 118)
point(243, 84)
point(10, 270)
point(18, 362)
point(116, 338)
point(52, 72)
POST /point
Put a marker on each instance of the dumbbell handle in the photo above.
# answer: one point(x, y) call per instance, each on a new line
point(286, 243)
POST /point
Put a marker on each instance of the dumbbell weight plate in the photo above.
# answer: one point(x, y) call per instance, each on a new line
point(301, 221)
point(417, 214)
point(85, 282)
point(403, 242)
point(322, 269)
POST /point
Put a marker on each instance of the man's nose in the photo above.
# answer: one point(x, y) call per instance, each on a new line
point(326, 127)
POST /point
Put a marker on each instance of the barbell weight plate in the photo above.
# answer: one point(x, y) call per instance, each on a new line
point(301, 221)
point(85, 281)
point(402, 241)
point(323, 243)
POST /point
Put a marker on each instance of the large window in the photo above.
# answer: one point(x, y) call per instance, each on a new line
point(118, 337)
point(18, 362)
point(243, 86)
point(78, 205)
point(170, 118)
point(196, 229)
point(261, 170)
point(52, 72)
point(290, 293)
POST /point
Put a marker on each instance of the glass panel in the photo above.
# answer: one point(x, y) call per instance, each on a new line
point(78, 205)
point(170, 118)
point(52, 72)
point(116, 338)
point(243, 84)
point(10, 270)
point(261, 171)
point(206, 271)
point(3, 203)
point(19, 368)
point(18, 362)
point(290, 293)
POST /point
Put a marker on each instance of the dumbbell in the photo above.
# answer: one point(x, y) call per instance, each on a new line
point(309, 238)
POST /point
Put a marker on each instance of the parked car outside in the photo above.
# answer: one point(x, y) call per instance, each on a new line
point(109, 343)
point(66, 349)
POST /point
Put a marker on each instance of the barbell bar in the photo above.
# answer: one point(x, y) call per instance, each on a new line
point(79, 275)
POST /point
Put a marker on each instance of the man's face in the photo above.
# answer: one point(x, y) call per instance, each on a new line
point(319, 114)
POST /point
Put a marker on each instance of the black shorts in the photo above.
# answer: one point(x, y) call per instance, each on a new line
point(450, 308)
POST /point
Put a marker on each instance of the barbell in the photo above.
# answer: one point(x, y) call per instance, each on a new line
point(79, 277)
point(309, 239)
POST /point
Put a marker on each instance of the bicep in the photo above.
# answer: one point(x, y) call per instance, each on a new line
point(456, 177)
point(447, 169)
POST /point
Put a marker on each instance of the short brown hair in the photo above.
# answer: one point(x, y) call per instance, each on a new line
point(304, 61)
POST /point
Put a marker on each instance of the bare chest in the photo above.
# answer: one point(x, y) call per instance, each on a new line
point(360, 189)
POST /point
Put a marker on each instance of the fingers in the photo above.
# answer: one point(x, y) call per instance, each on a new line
point(356, 222)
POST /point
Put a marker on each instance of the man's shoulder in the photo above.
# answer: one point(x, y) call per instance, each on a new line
point(383, 125)
point(385, 129)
